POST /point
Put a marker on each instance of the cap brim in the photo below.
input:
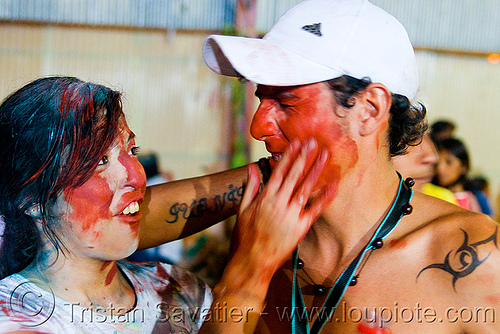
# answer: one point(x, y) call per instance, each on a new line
point(262, 62)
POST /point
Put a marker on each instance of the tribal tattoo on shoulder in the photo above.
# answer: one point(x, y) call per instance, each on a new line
point(467, 256)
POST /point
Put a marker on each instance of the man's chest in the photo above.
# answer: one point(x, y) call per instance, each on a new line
point(385, 298)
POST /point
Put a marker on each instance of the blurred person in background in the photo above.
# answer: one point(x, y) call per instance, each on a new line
point(479, 186)
point(452, 172)
point(419, 162)
point(442, 129)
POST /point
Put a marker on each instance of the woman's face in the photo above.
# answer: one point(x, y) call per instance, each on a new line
point(449, 169)
point(100, 218)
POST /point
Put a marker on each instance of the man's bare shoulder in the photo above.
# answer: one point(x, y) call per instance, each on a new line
point(443, 219)
point(457, 245)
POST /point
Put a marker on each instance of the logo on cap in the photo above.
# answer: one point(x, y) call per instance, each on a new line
point(313, 29)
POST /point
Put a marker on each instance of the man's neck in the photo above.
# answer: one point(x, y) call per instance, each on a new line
point(363, 199)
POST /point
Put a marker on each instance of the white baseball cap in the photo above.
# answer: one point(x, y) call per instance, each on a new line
point(319, 40)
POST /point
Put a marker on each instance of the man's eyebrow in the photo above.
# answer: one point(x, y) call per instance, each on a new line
point(131, 136)
point(286, 95)
point(277, 94)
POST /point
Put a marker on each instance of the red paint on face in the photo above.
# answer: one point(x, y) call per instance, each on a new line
point(304, 112)
point(111, 274)
point(90, 202)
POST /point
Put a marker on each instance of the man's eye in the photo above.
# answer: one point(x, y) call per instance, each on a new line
point(104, 160)
point(284, 105)
point(135, 150)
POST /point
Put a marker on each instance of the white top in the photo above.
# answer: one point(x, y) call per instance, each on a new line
point(168, 300)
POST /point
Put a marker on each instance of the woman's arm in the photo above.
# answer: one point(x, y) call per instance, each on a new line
point(180, 208)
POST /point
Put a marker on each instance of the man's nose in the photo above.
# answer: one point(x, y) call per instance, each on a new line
point(264, 121)
point(429, 152)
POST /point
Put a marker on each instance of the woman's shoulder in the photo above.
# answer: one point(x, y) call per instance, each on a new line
point(180, 296)
point(160, 271)
point(166, 279)
point(25, 305)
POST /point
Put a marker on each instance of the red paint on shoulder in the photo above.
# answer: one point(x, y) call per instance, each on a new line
point(493, 299)
point(485, 278)
point(111, 274)
point(398, 243)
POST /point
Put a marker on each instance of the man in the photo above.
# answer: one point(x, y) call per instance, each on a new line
point(343, 72)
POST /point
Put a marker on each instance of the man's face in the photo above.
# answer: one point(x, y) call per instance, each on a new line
point(303, 112)
point(419, 163)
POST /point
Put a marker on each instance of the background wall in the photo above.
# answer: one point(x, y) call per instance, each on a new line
point(170, 97)
point(151, 50)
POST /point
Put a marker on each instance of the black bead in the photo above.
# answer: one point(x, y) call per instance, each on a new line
point(377, 243)
point(407, 209)
point(354, 281)
point(409, 182)
point(300, 263)
point(319, 289)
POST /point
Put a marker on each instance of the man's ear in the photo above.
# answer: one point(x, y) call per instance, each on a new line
point(377, 101)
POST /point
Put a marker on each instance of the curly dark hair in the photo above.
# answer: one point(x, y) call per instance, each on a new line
point(407, 123)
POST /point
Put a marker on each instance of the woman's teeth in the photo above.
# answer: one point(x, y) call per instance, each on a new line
point(131, 209)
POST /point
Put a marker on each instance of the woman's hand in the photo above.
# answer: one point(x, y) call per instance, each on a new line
point(270, 225)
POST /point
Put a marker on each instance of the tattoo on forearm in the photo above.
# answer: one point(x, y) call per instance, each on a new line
point(199, 207)
point(468, 257)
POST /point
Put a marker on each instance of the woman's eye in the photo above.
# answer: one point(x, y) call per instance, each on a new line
point(135, 150)
point(104, 160)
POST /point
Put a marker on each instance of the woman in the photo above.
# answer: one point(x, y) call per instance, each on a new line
point(71, 191)
point(452, 170)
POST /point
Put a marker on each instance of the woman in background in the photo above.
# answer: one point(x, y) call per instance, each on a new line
point(452, 170)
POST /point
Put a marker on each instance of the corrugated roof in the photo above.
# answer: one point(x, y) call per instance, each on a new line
point(462, 25)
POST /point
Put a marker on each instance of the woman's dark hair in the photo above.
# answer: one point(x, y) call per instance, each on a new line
point(407, 123)
point(457, 148)
point(53, 132)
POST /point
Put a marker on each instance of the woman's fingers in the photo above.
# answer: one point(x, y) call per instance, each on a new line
point(310, 180)
point(281, 170)
point(251, 189)
point(298, 171)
